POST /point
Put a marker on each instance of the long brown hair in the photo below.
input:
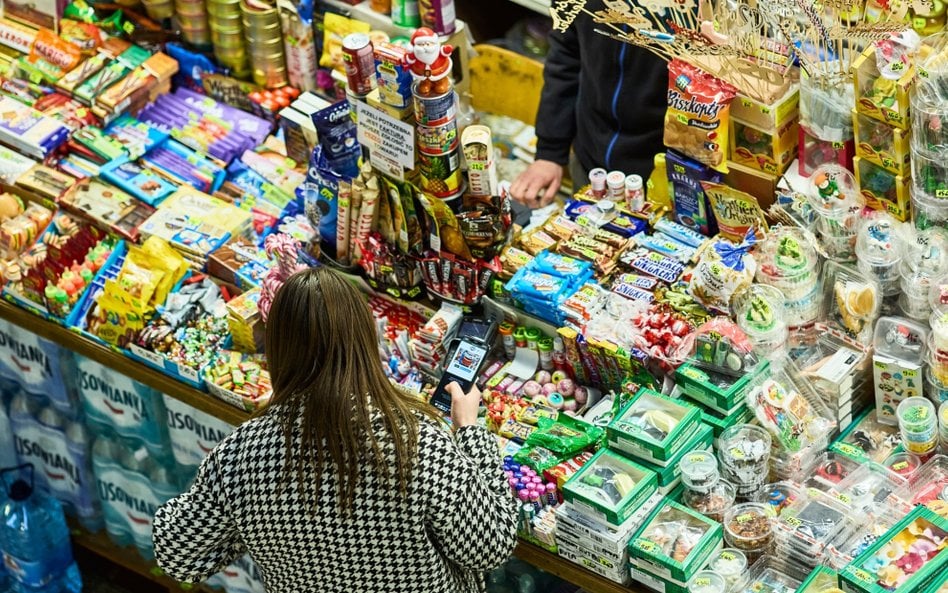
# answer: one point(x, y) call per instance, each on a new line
point(328, 382)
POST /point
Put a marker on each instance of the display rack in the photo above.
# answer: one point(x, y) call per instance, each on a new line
point(101, 545)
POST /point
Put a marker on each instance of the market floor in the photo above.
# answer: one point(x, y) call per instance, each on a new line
point(101, 576)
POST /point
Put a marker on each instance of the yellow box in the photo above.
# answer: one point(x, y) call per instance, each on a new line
point(374, 99)
point(770, 151)
point(885, 100)
point(883, 190)
point(767, 117)
point(885, 145)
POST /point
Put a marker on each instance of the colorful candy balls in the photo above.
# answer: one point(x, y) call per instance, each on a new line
point(566, 386)
point(571, 405)
point(558, 376)
point(542, 377)
point(581, 395)
point(556, 400)
point(548, 388)
point(532, 388)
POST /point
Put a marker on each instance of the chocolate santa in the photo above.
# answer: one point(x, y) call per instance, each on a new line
point(430, 63)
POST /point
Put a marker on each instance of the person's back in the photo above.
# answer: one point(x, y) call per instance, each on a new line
point(410, 509)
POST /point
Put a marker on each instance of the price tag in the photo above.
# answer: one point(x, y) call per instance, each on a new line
point(152, 357)
point(188, 373)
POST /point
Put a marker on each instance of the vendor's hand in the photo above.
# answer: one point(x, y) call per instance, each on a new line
point(464, 406)
point(537, 186)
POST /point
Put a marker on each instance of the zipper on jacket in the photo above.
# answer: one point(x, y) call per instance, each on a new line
point(615, 101)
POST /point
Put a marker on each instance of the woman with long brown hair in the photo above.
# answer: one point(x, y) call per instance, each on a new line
point(343, 483)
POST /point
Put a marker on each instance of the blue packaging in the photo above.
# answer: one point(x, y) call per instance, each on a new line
point(321, 199)
point(337, 137)
point(136, 137)
point(561, 265)
point(689, 202)
point(537, 285)
point(142, 183)
point(38, 365)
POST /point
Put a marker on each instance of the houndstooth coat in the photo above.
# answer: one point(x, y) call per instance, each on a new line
point(457, 521)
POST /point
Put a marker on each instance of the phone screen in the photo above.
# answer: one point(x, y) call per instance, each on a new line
point(465, 363)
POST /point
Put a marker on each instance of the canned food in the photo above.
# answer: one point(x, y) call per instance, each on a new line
point(160, 10)
point(435, 111)
point(440, 174)
point(359, 60)
point(437, 139)
point(405, 13)
point(438, 15)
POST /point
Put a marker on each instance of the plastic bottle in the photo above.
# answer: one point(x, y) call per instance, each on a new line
point(657, 191)
point(34, 538)
point(7, 447)
point(105, 455)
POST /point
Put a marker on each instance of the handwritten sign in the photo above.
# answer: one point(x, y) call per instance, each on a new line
point(385, 136)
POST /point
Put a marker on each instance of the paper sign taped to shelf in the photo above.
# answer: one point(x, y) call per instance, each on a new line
point(386, 136)
point(152, 357)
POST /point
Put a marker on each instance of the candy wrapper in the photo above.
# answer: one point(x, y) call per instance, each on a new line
point(735, 211)
point(285, 251)
point(696, 123)
point(723, 271)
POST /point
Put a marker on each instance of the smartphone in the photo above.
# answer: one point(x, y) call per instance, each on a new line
point(466, 363)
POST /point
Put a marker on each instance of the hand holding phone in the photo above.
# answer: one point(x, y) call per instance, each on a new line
point(464, 406)
point(466, 363)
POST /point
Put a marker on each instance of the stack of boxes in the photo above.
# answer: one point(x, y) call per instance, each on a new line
point(883, 140)
point(607, 501)
point(719, 397)
point(656, 432)
point(764, 137)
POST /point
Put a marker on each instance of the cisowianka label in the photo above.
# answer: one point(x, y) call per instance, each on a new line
point(129, 499)
point(34, 362)
point(114, 398)
point(193, 433)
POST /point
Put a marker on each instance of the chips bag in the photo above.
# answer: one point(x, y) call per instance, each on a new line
point(696, 122)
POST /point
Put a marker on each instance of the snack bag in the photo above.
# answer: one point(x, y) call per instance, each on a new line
point(736, 212)
point(723, 271)
point(696, 123)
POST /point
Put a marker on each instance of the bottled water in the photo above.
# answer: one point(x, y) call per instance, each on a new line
point(34, 539)
point(59, 450)
point(7, 451)
point(193, 435)
point(131, 487)
point(116, 403)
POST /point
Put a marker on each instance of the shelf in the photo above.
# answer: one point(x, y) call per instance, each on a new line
point(364, 13)
point(123, 364)
point(539, 6)
point(129, 559)
point(568, 571)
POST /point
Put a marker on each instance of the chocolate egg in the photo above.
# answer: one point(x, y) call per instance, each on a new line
point(556, 400)
point(559, 376)
point(571, 405)
point(549, 388)
point(581, 395)
point(566, 387)
point(542, 377)
point(531, 388)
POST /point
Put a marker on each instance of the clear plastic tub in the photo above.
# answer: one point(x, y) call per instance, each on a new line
point(918, 424)
point(795, 416)
point(749, 528)
point(929, 485)
point(744, 452)
point(869, 486)
point(712, 504)
point(852, 300)
point(760, 313)
point(779, 495)
point(928, 211)
point(707, 581)
point(879, 250)
point(828, 471)
point(699, 471)
point(903, 464)
point(731, 564)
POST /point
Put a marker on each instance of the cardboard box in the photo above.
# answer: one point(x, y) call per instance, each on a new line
point(649, 554)
point(592, 489)
point(755, 182)
point(883, 190)
point(877, 97)
point(770, 151)
point(716, 391)
point(767, 117)
point(813, 151)
point(631, 433)
point(885, 145)
point(856, 579)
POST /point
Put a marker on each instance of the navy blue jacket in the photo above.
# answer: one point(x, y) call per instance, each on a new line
point(604, 97)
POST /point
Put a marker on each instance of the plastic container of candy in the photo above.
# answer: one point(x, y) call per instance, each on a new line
point(870, 485)
point(761, 313)
point(927, 212)
point(926, 260)
point(929, 485)
point(731, 564)
point(879, 250)
point(903, 464)
point(707, 581)
point(749, 528)
point(768, 574)
point(834, 196)
point(918, 424)
point(712, 504)
point(744, 452)
point(842, 550)
point(779, 495)
point(828, 470)
point(788, 262)
point(943, 426)
point(852, 300)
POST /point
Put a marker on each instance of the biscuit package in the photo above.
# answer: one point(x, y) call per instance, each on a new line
point(696, 122)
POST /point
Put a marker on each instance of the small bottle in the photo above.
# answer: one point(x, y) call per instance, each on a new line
point(615, 183)
point(657, 188)
point(597, 183)
point(634, 193)
point(545, 346)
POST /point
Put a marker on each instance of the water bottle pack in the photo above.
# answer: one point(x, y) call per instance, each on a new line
point(39, 365)
point(240, 577)
point(34, 538)
point(116, 403)
point(193, 433)
point(131, 485)
point(59, 450)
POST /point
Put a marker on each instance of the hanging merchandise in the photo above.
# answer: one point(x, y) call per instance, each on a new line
point(34, 537)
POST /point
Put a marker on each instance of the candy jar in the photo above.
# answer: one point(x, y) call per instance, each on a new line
point(834, 196)
point(731, 564)
point(879, 248)
point(749, 528)
point(707, 581)
point(761, 314)
point(705, 492)
point(779, 495)
point(926, 259)
point(744, 451)
point(899, 354)
point(918, 424)
point(903, 464)
point(789, 263)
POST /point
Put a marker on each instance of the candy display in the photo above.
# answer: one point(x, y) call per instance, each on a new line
point(729, 375)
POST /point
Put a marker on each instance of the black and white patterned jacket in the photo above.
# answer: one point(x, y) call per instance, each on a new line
point(457, 521)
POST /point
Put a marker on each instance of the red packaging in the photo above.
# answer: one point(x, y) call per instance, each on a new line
point(359, 60)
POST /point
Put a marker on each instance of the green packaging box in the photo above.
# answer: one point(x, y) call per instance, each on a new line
point(656, 583)
point(821, 579)
point(719, 392)
point(859, 576)
point(867, 439)
point(610, 486)
point(719, 424)
point(653, 427)
point(670, 476)
point(651, 550)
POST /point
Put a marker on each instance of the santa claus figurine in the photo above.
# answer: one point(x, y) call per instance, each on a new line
point(430, 63)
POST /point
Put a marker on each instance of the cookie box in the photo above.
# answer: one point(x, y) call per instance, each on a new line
point(883, 190)
point(653, 427)
point(770, 151)
point(610, 487)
